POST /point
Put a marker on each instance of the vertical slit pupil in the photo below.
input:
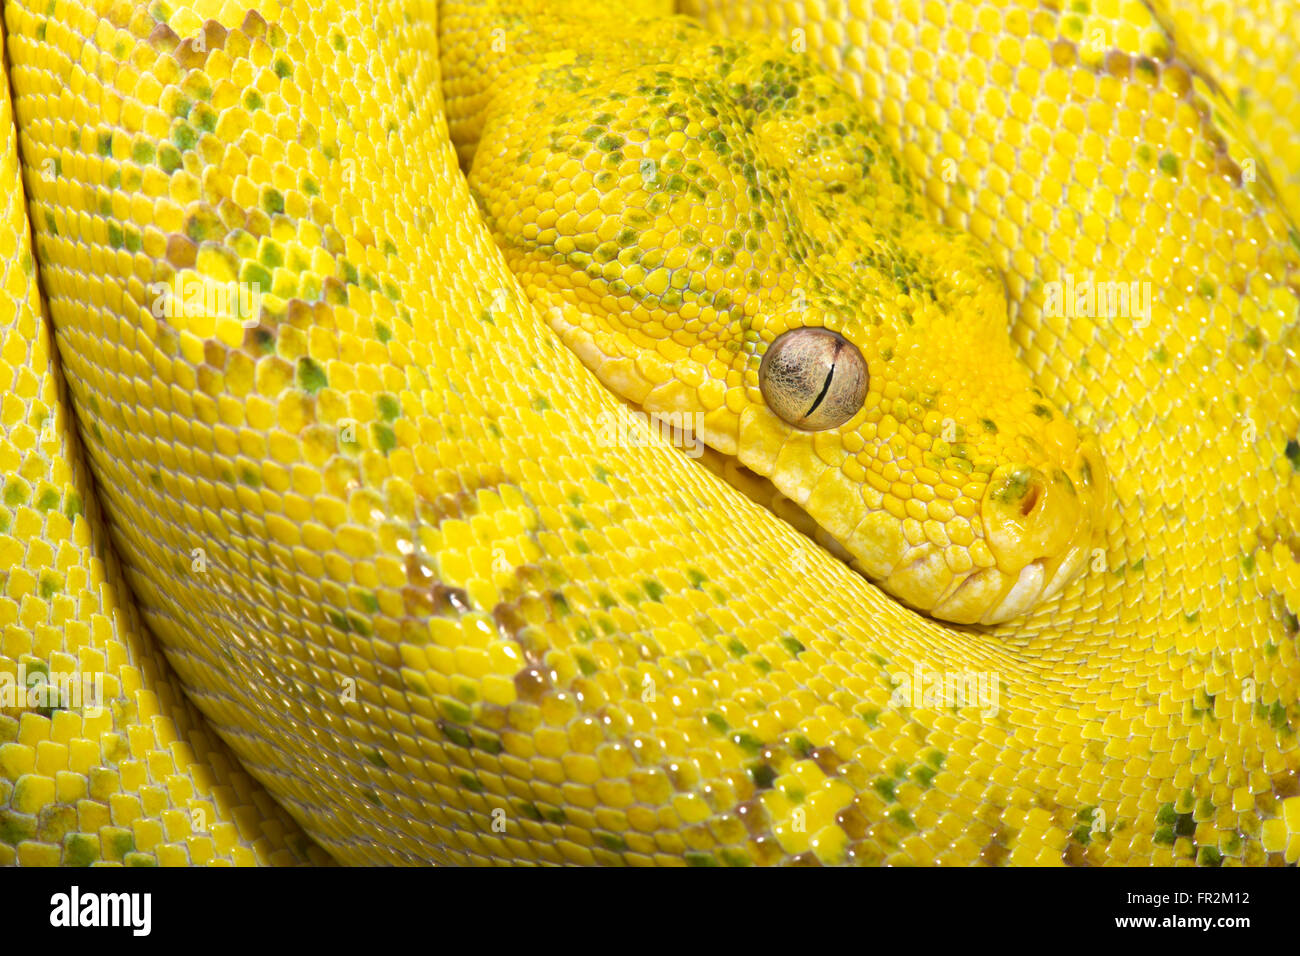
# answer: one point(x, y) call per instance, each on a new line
point(826, 385)
point(821, 396)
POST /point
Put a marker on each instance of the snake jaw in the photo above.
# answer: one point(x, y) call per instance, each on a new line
point(1039, 529)
point(1035, 529)
point(1036, 525)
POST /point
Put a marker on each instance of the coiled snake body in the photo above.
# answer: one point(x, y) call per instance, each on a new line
point(373, 518)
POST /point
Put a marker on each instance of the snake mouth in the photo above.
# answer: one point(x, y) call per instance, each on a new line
point(994, 596)
point(1038, 528)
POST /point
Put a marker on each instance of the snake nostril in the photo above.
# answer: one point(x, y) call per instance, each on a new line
point(1030, 501)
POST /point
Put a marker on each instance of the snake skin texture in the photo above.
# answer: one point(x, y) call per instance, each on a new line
point(105, 760)
point(379, 532)
point(1249, 48)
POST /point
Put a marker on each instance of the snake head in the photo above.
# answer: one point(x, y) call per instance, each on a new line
point(729, 236)
point(954, 483)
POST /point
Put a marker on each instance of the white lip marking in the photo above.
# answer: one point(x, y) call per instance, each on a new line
point(1066, 571)
point(1022, 596)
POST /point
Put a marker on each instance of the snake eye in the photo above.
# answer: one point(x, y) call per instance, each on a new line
point(813, 379)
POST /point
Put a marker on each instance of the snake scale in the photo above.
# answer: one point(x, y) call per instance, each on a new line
point(423, 609)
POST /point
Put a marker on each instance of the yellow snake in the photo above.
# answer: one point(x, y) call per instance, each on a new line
point(434, 593)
